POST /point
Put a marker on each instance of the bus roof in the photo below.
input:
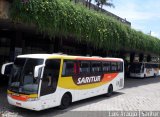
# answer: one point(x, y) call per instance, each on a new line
point(55, 55)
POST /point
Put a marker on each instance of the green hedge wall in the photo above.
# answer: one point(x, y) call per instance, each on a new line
point(62, 17)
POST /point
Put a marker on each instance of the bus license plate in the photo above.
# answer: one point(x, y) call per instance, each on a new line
point(18, 104)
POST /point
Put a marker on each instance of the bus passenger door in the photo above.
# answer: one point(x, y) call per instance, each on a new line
point(49, 83)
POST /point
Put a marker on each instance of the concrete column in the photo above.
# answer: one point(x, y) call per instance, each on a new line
point(141, 57)
point(132, 57)
point(149, 58)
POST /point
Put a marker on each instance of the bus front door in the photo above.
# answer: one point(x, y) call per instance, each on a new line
point(49, 83)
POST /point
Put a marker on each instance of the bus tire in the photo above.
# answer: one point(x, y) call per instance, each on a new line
point(110, 90)
point(65, 101)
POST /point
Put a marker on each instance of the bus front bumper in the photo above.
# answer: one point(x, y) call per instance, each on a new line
point(31, 105)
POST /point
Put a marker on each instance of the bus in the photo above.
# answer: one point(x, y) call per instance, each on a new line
point(144, 69)
point(42, 81)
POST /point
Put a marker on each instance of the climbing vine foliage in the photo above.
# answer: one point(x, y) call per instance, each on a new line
point(62, 17)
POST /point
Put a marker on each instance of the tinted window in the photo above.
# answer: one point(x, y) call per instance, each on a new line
point(84, 67)
point(96, 67)
point(136, 65)
point(106, 66)
point(50, 77)
point(147, 65)
point(114, 66)
point(155, 65)
point(69, 68)
point(119, 66)
point(19, 61)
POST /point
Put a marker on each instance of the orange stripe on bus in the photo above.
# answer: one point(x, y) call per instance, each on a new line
point(109, 77)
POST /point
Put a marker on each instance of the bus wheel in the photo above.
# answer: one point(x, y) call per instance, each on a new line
point(110, 91)
point(65, 101)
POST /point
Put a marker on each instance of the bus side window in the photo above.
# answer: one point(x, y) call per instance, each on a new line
point(84, 67)
point(96, 67)
point(106, 67)
point(147, 65)
point(68, 68)
point(114, 66)
point(77, 67)
point(120, 67)
point(155, 65)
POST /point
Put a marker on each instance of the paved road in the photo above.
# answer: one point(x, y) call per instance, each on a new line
point(138, 95)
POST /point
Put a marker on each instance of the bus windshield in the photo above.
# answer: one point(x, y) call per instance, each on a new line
point(136, 67)
point(22, 79)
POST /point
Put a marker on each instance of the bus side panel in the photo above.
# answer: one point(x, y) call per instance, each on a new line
point(81, 92)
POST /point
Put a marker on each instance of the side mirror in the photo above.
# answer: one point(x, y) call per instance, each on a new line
point(6, 68)
point(37, 70)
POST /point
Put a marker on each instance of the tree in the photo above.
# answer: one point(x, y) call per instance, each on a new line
point(87, 2)
point(100, 3)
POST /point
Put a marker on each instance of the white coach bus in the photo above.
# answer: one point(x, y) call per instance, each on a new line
point(42, 81)
point(144, 69)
